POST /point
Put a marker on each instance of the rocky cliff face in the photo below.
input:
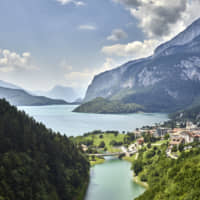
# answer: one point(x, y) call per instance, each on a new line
point(185, 37)
point(167, 81)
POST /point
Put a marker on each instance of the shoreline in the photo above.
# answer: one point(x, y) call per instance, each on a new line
point(97, 161)
point(139, 182)
point(83, 191)
point(136, 178)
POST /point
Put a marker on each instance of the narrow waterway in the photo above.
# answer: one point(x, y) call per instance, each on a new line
point(112, 180)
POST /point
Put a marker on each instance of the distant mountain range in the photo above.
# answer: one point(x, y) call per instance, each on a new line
point(20, 97)
point(8, 85)
point(167, 81)
point(60, 92)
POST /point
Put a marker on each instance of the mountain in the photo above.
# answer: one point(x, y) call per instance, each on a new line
point(185, 37)
point(167, 81)
point(20, 97)
point(8, 85)
point(192, 113)
point(60, 92)
point(37, 163)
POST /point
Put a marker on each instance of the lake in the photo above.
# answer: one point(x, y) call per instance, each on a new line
point(112, 180)
point(61, 118)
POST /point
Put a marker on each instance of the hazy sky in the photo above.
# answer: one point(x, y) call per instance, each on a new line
point(66, 42)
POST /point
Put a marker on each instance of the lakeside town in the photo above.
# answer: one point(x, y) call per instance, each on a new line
point(178, 138)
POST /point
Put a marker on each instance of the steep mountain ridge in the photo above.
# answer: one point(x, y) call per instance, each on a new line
point(186, 36)
point(167, 81)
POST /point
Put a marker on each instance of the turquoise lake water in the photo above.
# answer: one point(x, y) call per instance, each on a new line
point(61, 118)
point(113, 180)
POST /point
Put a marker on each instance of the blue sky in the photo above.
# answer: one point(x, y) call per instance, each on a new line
point(66, 42)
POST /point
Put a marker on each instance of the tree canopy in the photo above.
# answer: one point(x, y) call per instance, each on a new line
point(35, 162)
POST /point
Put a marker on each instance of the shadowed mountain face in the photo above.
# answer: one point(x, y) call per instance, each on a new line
point(167, 81)
point(21, 98)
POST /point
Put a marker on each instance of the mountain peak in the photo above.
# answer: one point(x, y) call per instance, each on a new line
point(186, 36)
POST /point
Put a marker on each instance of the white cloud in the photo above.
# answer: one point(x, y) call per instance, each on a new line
point(64, 65)
point(117, 34)
point(87, 27)
point(64, 2)
point(107, 65)
point(134, 49)
point(77, 3)
point(160, 20)
point(156, 16)
point(74, 78)
point(10, 61)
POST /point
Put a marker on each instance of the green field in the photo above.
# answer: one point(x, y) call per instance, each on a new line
point(107, 138)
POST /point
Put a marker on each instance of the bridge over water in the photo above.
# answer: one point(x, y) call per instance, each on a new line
point(113, 154)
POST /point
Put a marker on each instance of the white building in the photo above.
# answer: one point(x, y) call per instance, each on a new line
point(190, 126)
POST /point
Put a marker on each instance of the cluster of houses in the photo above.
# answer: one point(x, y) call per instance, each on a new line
point(177, 135)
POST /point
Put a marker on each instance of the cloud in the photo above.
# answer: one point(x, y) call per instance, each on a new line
point(87, 27)
point(160, 20)
point(75, 77)
point(117, 34)
point(134, 49)
point(77, 3)
point(107, 65)
point(10, 61)
point(156, 16)
point(129, 3)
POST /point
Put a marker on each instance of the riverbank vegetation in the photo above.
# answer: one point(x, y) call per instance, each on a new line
point(168, 179)
point(94, 160)
point(35, 162)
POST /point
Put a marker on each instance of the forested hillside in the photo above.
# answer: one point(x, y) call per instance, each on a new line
point(169, 179)
point(101, 105)
point(192, 113)
point(36, 163)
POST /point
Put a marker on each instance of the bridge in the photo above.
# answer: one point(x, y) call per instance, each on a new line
point(113, 154)
point(106, 154)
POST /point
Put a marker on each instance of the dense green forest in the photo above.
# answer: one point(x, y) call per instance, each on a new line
point(36, 163)
point(169, 179)
point(101, 105)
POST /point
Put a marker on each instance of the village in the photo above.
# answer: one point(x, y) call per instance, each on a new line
point(177, 139)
